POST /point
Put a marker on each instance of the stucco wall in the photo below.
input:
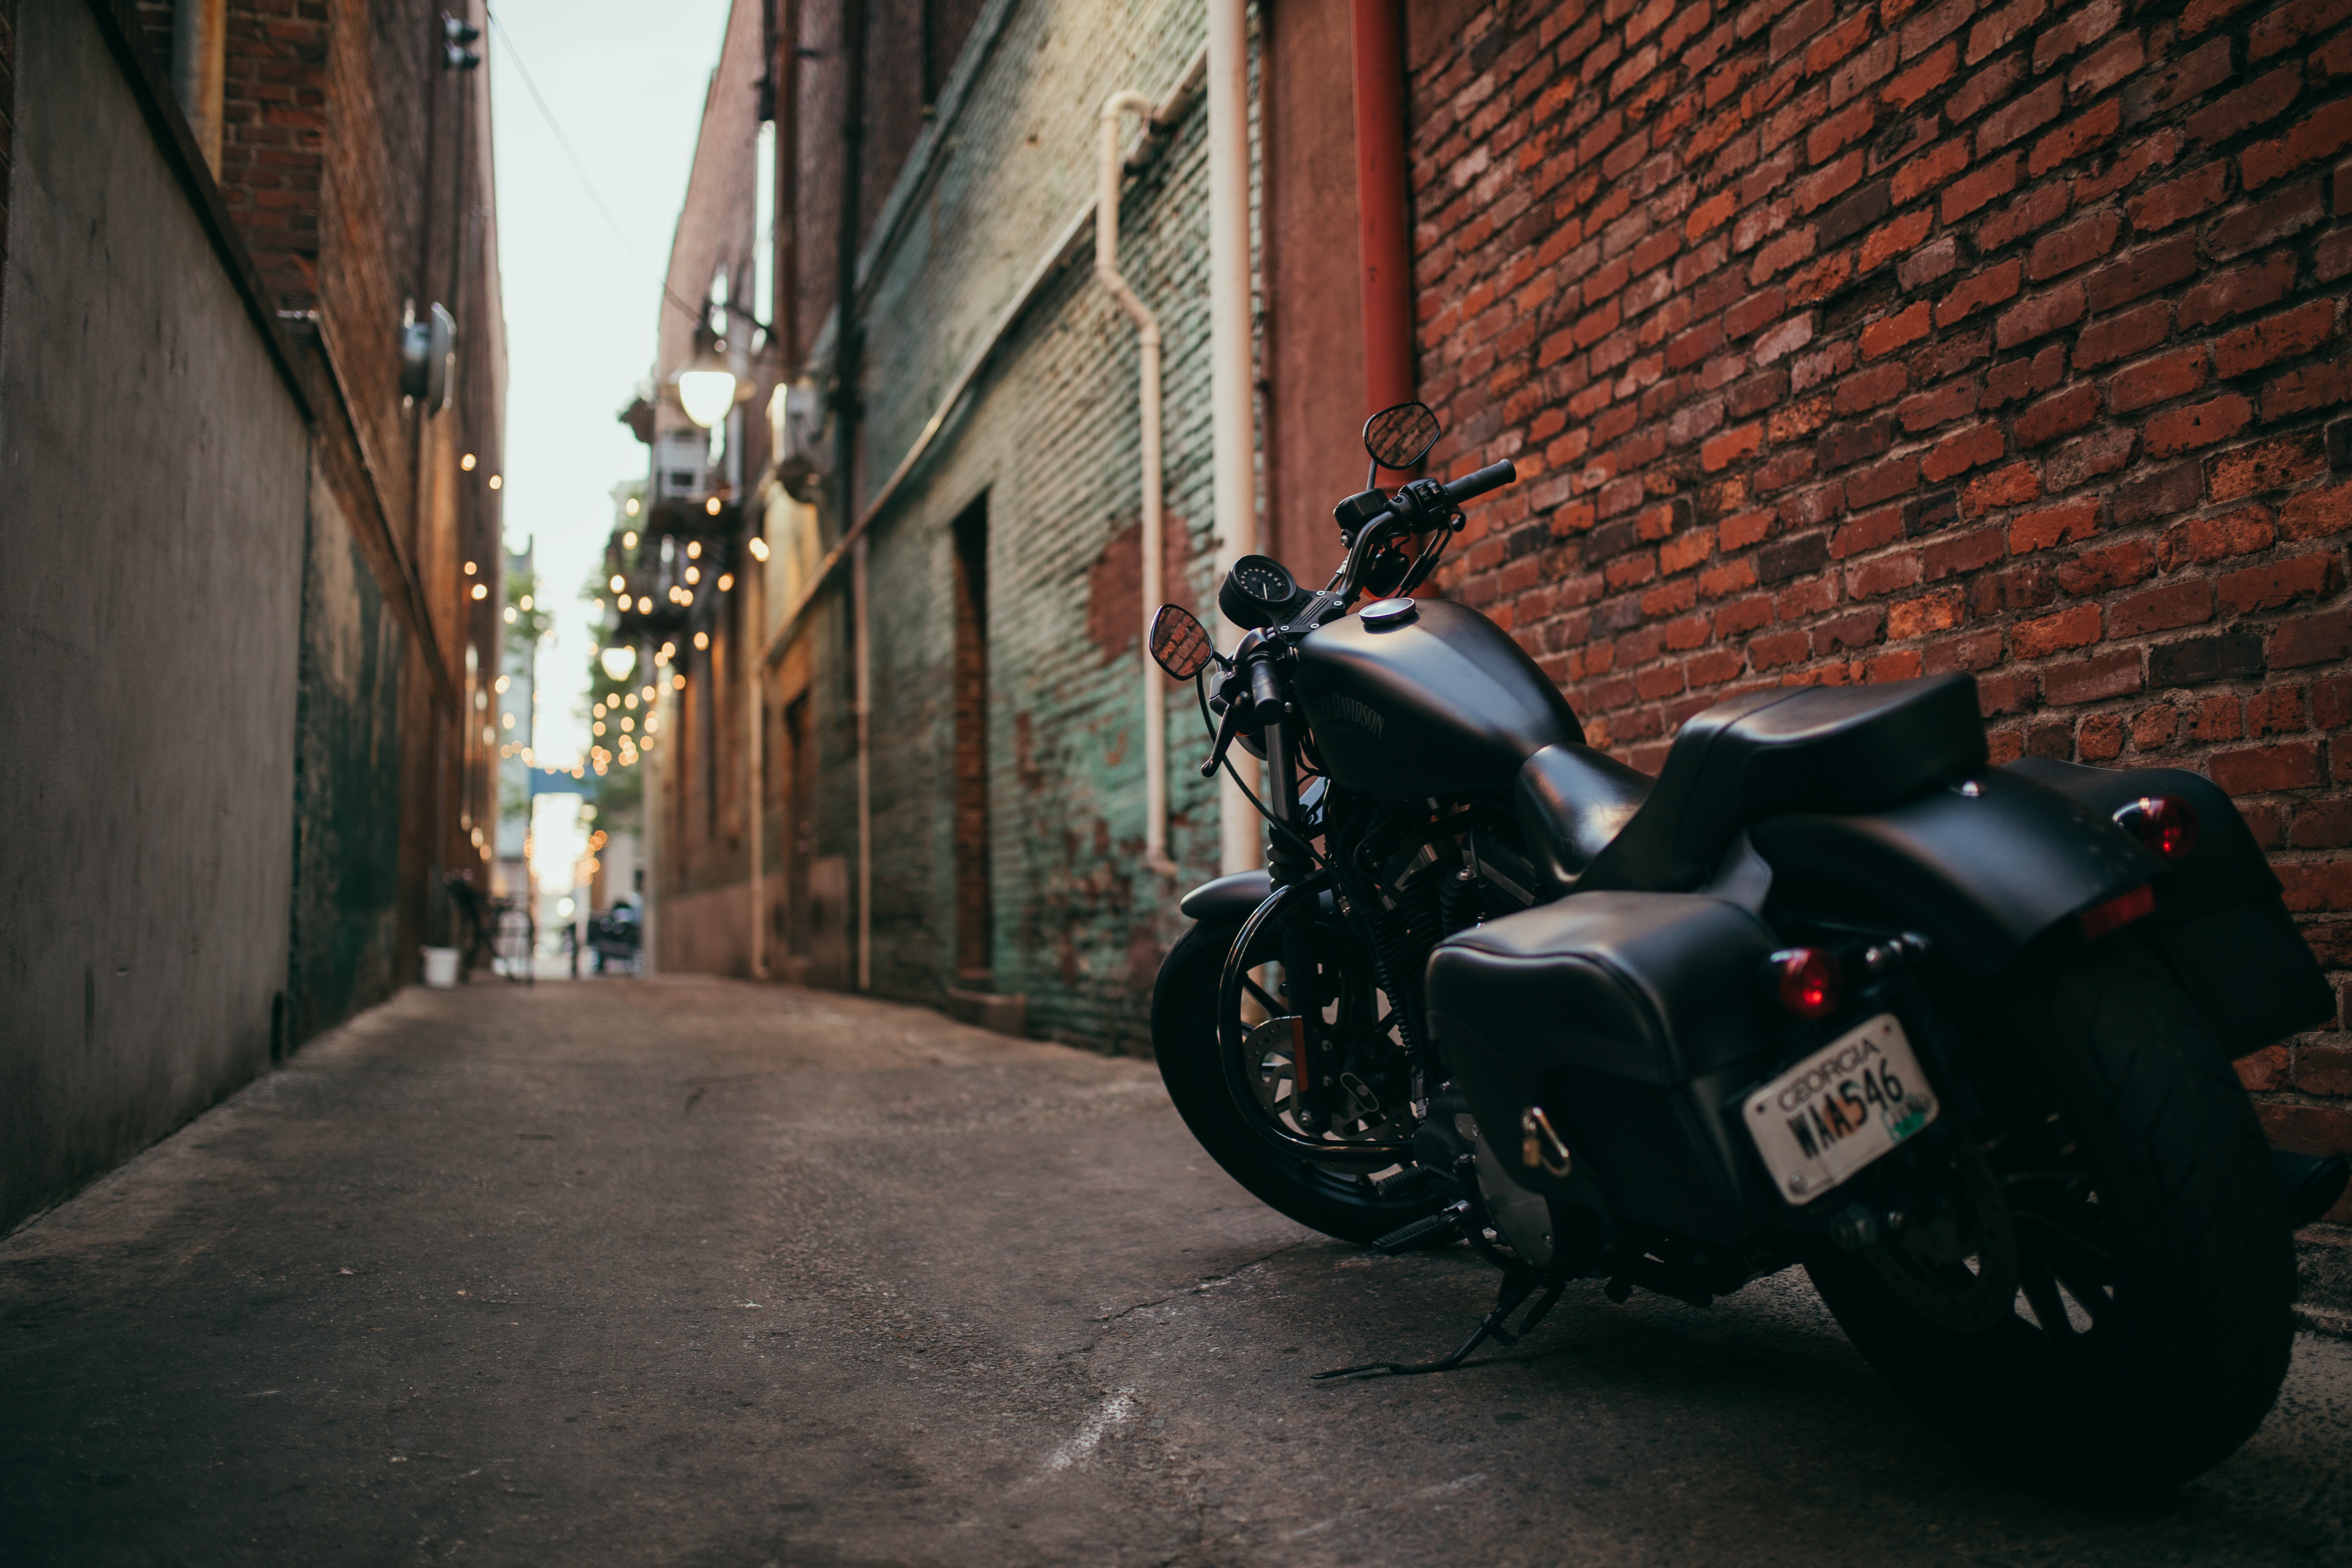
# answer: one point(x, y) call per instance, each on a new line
point(154, 472)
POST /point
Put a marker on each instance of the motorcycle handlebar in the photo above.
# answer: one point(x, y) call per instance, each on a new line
point(1494, 476)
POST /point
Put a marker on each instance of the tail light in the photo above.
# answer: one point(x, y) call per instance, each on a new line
point(2117, 913)
point(1807, 981)
point(2165, 823)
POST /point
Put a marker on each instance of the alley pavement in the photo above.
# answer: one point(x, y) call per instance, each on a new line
point(700, 1272)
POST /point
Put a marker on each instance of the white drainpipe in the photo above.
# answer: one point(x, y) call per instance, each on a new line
point(1155, 686)
point(1232, 423)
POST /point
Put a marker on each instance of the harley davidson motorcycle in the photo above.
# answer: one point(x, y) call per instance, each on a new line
point(1829, 991)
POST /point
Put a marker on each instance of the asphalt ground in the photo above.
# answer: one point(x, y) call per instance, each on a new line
point(699, 1272)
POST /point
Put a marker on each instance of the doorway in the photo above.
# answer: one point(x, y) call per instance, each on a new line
point(974, 930)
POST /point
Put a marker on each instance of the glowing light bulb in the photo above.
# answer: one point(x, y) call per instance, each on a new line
point(694, 547)
point(726, 582)
point(511, 615)
point(481, 590)
point(629, 540)
point(619, 582)
point(469, 568)
point(645, 605)
point(759, 547)
point(679, 681)
point(496, 482)
point(702, 639)
point(466, 462)
point(694, 574)
point(630, 507)
point(711, 506)
point(526, 601)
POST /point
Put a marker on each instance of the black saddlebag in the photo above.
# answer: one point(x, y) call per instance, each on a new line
point(2220, 917)
point(1629, 1019)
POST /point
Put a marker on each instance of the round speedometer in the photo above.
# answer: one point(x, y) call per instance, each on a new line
point(1257, 592)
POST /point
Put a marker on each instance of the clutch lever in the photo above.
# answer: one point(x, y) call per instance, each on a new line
point(1227, 727)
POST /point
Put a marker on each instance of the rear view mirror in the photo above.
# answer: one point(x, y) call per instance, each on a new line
point(1401, 437)
point(1178, 645)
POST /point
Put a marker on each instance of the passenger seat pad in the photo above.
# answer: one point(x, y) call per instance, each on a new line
point(1820, 749)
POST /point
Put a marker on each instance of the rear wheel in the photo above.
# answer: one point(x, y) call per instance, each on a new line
point(2099, 1301)
point(1252, 1134)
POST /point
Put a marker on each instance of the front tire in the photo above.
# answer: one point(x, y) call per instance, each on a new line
point(1184, 1040)
point(2151, 1328)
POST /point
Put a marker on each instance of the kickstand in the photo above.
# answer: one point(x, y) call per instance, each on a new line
point(1516, 1289)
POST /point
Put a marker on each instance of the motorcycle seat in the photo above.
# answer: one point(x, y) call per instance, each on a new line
point(1571, 801)
point(1816, 748)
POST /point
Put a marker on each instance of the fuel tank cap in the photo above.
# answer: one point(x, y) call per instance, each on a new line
point(1383, 612)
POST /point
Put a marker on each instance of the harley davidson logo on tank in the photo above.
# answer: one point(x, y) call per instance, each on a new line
point(1360, 714)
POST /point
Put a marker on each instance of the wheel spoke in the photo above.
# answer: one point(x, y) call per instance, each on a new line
point(1265, 998)
point(2042, 1293)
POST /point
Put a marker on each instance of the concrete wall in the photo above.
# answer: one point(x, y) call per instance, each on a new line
point(155, 473)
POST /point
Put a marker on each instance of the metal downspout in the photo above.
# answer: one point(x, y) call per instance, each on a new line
point(1233, 421)
point(1384, 240)
point(1155, 689)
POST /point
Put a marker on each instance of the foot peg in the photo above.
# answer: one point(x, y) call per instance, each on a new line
point(2311, 1184)
point(1449, 1219)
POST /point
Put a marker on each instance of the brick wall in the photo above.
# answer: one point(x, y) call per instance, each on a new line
point(1842, 342)
point(273, 130)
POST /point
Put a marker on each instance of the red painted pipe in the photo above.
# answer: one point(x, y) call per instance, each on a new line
point(1384, 237)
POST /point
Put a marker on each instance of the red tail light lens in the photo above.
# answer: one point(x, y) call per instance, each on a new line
point(2165, 823)
point(2117, 913)
point(1807, 981)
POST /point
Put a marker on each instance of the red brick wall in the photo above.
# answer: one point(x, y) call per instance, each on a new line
point(273, 130)
point(1842, 342)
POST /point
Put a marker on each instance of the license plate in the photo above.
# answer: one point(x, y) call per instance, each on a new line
point(1840, 1108)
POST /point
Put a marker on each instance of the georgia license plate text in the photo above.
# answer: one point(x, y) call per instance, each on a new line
point(1840, 1108)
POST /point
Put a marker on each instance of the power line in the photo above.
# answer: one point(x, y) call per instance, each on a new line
point(692, 313)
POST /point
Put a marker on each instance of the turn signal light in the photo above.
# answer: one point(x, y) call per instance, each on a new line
point(2118, 912)
point(1807, 981)
point(2165, 823)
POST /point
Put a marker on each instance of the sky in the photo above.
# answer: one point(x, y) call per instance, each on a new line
point(625, 82)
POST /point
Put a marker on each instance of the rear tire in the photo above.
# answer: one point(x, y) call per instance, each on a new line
point(2138, 1183)
point(1184, 1041)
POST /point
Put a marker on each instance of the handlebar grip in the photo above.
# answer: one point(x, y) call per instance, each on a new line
point(1266, 687)
point(1494, 476)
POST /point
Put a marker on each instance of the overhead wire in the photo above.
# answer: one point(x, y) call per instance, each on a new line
point(587, 183)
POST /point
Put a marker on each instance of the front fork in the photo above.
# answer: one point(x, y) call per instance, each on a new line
point(1313, 1054)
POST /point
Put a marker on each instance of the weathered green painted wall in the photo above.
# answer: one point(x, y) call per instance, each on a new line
point(1051, 438)
point(346, 782)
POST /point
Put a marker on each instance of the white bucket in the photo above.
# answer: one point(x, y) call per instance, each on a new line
point(440, 967)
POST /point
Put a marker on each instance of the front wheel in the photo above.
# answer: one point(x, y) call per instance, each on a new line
point(2124, 1210)
point(1249, 1141)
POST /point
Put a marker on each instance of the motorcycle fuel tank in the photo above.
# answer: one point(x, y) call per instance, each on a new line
point(1435, 700)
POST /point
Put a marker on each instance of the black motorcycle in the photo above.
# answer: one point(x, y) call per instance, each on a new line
point(1829, 990)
